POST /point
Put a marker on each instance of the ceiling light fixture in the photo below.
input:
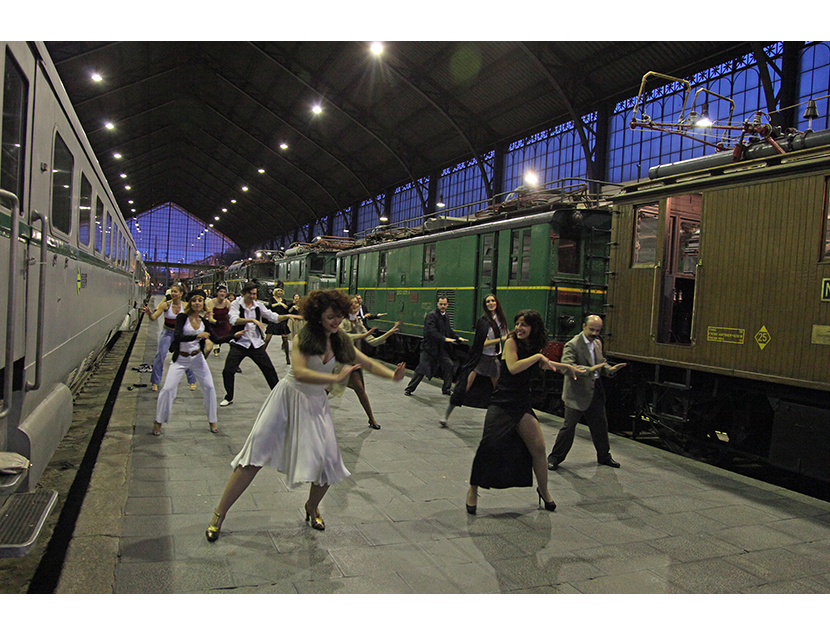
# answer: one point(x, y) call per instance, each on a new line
point(284, 145)
point(244, 188)
point(376, 48)
point(261, 171)
point(224, 209)
point(123, 176)
point(316, 109)
point(109, 126)
point(96, 77)
point(440, 202)
point(233, 200)
point(116, 155)
point(127, 187)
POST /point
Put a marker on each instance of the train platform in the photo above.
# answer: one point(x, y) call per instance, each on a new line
point(660, 524)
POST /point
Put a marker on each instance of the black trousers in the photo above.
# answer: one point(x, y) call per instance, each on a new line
point(597, 423)
point(234, 359)
point(445, 361)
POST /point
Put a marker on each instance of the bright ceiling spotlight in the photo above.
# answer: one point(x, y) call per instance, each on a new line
point(261, 171)
point(284, 146)
point(123, 176)
point(316, 109)
point(130, 202)
point(116, 155)
point(376, 48)
point(233, 200)
point(127, 187)
point(531, 178)
point(244, 188)
point(109, 126)
point(215, 218)
point(96, 77)
point(224, 209)
point(440, 202)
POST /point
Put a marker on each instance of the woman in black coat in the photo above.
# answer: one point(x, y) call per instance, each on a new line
point(482, 360)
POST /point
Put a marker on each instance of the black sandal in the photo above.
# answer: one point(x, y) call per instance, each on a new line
point(374, 426)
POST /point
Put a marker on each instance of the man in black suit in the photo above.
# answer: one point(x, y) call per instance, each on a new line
point(435, 356)
point(584, 396)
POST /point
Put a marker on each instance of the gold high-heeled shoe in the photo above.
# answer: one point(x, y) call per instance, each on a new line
point(316, 521)
point(212, 532)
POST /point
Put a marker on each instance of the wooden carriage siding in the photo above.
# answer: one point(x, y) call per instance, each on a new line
point(761, 272)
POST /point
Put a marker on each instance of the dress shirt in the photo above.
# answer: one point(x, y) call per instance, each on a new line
point(251, 336)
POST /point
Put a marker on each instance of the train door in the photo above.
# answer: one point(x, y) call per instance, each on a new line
point(486, 266)
point(18, 68)
point(682, 244)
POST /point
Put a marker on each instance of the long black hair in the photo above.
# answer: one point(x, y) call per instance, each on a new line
point(499, 315)
point(312, 337)
point(538, 335)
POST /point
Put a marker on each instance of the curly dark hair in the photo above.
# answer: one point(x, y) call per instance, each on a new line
point(312, 337)
point(538, 335)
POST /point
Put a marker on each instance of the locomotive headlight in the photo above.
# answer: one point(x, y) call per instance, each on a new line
point(566, 323)
point(576, 218)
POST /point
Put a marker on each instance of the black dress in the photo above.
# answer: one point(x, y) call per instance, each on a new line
point(277, 328)
point(502, 459)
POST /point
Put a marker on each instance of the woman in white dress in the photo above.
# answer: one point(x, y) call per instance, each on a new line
point(294, 431)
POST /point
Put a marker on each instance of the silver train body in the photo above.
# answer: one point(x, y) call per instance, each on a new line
point(70, 274)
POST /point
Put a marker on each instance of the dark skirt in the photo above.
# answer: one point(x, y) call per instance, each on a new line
point(502, 459)
point(277, 328)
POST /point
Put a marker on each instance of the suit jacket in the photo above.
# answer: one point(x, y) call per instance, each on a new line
point(578, 393)
point(436, 328)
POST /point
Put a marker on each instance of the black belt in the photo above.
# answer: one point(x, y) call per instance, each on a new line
point(193, 354)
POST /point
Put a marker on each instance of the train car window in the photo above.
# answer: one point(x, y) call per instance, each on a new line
point(383, 266)
point(15, 99)
point(520, 255)
point(84, 211)
point(99, 225)
point(568, 253)
point(429, 262)
point(645, 234)
point(63, 165)
point(108, 236)
point(826, 256)
point(487, 256)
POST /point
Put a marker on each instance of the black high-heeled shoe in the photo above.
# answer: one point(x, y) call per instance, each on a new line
point(550, 506)
point(471, 509)
point(316, 521)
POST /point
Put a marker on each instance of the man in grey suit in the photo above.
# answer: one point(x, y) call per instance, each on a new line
point(583, 395)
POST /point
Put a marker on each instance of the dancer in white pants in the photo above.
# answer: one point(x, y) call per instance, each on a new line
point(188, 354)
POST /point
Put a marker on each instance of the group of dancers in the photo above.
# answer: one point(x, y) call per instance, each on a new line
point(294, 431)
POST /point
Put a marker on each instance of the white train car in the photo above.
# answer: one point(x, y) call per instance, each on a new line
point(70, 276)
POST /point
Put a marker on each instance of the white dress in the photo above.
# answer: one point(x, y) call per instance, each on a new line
point(294, 432)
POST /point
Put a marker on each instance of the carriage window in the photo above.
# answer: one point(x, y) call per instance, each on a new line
point(645, 237)
point(383, 266)
point(62, 186)
point(108, 236)
point(520, 255)
point(15, 97)
point(487, 256)
point(429, 262)
point(84, 211)
point(827, 230)
point(568, 254)
point(99, 225)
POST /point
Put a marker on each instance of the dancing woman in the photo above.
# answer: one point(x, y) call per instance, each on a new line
point(218, 314)
point(512, 447)
point(483, 358)
point(188, 347)
point(170, 308)
point(280, 307)
point(294, 431)
point(356, 330)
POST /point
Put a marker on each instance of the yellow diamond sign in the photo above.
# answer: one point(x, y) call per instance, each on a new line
point(762, 337)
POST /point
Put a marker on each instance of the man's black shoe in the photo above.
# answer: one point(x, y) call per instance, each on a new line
point(447, 392)
point(408, 393)
point(552, 464)
point(609, 462)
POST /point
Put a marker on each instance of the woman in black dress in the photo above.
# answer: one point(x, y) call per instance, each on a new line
point(512, 447)
point(280, 307)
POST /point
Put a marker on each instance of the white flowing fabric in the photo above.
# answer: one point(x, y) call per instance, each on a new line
point(294, 432)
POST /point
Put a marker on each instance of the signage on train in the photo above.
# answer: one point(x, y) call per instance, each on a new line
point(762, 337)
point(725, 335)
point(825, 290)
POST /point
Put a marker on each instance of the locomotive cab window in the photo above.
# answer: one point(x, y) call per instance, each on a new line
point(645, 235)
point(15, 98)
point(429, 262)
point(519, 256)
point(568, 249)
point(383, 266)
point(62, 167)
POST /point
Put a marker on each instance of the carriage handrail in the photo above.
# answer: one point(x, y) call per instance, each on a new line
point(11, 304)
point(41, 302)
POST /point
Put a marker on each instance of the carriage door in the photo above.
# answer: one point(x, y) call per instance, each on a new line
point(487, 259)
point(17, 67)
point(680, 258)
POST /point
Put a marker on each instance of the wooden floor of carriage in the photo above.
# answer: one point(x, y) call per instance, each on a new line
point(660, 524)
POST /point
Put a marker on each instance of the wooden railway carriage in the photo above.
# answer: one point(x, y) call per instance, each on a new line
point(551, 258)
point(720, 302)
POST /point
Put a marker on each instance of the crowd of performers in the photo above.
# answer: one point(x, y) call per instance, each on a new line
point(322, 335)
